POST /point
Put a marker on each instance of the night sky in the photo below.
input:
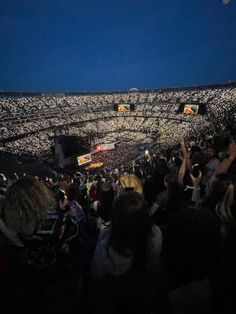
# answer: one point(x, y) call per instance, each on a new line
point(112, 45)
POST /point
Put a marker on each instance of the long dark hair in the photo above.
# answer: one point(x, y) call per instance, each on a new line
point(74, 193)
point(175, 192)
point(106, 197)
point(130, 227)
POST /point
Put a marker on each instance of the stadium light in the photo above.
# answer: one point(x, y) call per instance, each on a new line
point(133, 89)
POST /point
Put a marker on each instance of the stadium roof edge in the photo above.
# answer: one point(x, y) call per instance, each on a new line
point(60, 94)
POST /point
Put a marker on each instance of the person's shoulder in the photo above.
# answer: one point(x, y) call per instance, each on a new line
point(216, 161)
point(162, 199)
point(163, 194)
point(213, 163)
point(103, 236)
point(95, 205)
point(156, 231)
point(155, 239)
point(154, 245)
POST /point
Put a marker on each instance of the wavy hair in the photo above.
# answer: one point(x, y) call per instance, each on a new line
point(27, 202)
point(225, 206)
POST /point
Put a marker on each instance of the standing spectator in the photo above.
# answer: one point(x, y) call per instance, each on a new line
point(212, 164)
point(126, 258)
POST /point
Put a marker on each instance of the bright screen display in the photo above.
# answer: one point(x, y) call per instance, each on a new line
point(103, 147)
point(124, 108)
point(191, 109)
point(84, 159)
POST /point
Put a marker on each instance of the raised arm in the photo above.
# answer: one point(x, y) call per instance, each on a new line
point(227, 162)
point(186, 160)
point(196, 187)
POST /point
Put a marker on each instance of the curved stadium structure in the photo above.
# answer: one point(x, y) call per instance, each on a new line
point(29, 121)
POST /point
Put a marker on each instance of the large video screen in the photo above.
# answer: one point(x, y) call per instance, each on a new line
point(84, 159)
point(191, 109)
point(104, 147)
point(124, 107)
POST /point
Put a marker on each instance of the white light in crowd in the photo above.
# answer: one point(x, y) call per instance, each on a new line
point(146, 152)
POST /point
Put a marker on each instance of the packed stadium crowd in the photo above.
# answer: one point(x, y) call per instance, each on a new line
point(27, 124)
point(117, 157)
point(145, 234)
point(154, 236)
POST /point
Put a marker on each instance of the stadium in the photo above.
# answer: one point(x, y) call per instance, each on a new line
point(29, 123)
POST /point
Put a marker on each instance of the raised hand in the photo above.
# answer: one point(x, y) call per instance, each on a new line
point(196, 181)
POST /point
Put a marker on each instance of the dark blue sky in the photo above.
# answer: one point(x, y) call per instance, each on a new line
point(104, 45)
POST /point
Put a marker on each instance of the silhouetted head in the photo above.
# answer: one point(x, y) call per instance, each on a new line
point(130, 223)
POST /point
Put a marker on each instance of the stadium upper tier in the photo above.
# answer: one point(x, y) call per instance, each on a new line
point(28, 123)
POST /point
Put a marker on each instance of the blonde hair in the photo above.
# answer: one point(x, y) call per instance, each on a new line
point(26, 203)
point(223, 208)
